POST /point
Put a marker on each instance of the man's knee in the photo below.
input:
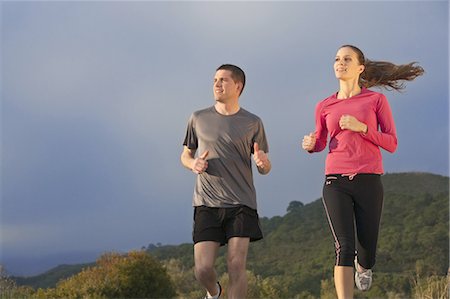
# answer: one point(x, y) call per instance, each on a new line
point(203, 271)
point(236, 265)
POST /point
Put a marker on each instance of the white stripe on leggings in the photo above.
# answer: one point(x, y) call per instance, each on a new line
point(336, 241)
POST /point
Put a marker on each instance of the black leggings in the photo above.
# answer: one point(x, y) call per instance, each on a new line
point(349, 201)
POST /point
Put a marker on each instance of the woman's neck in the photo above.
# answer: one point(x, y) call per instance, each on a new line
point(348, 89)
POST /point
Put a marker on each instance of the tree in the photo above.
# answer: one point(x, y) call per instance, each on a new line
point(294, 206)
point(9, 289)
point(133, 275)
point(7, 286)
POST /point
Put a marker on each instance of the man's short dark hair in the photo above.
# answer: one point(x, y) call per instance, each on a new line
point(237, 73)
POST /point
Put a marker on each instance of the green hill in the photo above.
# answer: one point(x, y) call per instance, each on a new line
point(297, 252)
point(52, 276)
point(296, 257)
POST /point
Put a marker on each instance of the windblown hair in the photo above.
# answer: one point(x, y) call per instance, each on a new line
point(237, 73)
point(386, 74)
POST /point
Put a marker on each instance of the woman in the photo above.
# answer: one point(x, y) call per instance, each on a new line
point(359, 121)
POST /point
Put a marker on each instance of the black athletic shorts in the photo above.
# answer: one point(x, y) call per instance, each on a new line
point(221, 224)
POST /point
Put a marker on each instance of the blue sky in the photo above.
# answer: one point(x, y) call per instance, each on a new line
point(96, 97)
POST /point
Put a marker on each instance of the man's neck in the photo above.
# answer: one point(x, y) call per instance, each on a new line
point(227, 108)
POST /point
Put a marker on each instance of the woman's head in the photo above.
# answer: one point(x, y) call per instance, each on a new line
point(358, 52)
point(348, 63)
point(382, 73)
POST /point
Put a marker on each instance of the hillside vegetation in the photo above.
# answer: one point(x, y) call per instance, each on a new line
point(296, 257)
point(297, 254)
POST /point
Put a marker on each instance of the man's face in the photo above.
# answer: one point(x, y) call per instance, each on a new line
point(225, 88)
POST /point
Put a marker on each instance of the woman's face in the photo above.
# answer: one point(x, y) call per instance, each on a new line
point(346, 64)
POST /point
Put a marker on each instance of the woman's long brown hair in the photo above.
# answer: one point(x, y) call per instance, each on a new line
point(384, 73)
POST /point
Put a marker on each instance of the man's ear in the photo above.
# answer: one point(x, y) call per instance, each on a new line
point(239, 86)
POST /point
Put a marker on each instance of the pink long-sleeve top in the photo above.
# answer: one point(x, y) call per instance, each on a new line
point(351, 152)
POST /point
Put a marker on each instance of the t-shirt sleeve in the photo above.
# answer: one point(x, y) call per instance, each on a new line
point(190, 140)
point(260, 137)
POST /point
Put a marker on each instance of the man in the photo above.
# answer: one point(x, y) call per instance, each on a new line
point(225, 137)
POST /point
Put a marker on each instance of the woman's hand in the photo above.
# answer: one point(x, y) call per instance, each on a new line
point(309, 142)
point(349, 122)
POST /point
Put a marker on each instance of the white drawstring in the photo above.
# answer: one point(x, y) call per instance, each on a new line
point(351, 176)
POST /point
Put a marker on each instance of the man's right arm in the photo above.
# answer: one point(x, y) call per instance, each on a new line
point(197, 165)
point(187, 157)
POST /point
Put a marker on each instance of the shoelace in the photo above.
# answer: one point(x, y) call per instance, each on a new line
point(364, 277)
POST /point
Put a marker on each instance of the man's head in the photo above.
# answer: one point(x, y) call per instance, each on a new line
point(237, 74)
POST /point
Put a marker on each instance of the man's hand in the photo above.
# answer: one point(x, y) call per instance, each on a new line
point(260, 157)
point(200, 164)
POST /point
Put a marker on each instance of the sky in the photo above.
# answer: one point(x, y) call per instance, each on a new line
point(95, 98)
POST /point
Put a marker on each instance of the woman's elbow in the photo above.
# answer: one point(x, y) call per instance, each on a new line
point(393, 146)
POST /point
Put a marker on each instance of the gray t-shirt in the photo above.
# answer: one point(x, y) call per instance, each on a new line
point(228, 180)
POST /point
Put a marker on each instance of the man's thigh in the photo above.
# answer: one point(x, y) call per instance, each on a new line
point(205, 253)
point(238, 249)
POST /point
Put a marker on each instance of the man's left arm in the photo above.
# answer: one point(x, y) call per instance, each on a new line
point(261, 160)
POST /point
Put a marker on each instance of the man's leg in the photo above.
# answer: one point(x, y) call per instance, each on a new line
point(237, 261)
point(205, 254)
